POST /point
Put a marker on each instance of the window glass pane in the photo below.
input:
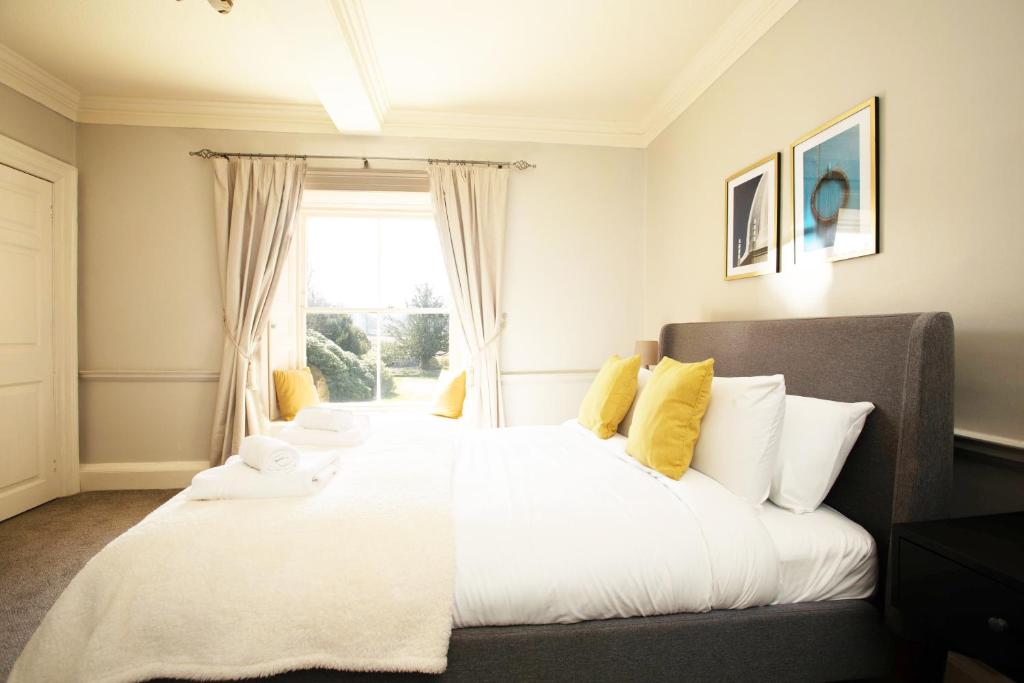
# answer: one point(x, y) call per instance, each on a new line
point(412, 269)
point(341, 352)
point(414, 350)
point(341, 262)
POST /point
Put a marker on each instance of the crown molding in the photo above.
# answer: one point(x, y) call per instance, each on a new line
point(462, 126)
point(299, 118)
point(744, 27)
point(352, 21)
point(751, 20)
point(257, 116)
point(30, 80)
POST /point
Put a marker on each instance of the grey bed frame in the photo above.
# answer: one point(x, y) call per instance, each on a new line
point(900, 470)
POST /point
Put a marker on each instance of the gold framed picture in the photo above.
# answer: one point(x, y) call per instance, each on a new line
point(752, 220)
point(835, 187)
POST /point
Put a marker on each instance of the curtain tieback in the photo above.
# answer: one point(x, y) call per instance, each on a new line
point(493, 337)
point(250, 383)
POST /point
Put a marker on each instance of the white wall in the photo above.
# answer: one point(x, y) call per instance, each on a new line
point(951, 138)
point(149, 297)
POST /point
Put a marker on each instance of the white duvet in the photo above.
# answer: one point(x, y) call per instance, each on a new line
point(553, 525)
point(538, 525)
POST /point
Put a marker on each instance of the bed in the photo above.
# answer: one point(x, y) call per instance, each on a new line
point(898, 471)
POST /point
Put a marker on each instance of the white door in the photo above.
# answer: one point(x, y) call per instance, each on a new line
point(28, 439)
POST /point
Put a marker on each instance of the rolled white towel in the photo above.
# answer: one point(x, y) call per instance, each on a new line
point(268, 454)
point(323, 417)
point(235, 479)
point(358, 433)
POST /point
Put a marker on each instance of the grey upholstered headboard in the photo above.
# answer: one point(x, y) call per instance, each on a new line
point(901, 467)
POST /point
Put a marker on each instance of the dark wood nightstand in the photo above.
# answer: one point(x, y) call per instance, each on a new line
point(958, 584)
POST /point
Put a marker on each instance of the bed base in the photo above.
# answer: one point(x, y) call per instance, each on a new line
point(822, 641)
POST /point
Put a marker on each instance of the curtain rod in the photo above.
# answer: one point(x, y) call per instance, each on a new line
point(209, 154)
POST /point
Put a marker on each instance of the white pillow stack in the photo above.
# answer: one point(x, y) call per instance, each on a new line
point(817, 437)
point(740, 434)
point(760, 443)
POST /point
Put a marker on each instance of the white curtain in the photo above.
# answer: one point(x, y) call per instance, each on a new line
point(256, 203)
point(469, 208)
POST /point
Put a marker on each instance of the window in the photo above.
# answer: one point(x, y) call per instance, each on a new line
point(376, 310)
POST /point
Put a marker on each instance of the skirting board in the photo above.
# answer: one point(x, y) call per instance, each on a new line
point(116, 476)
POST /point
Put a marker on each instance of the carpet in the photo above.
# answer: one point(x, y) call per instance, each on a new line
point(41, 551)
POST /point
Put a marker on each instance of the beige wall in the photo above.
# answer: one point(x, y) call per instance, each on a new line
point(583, 279)
point(951, 135)
point(149, 294)
point(32, 124)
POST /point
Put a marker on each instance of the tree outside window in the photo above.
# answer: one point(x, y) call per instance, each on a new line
point(379, 347)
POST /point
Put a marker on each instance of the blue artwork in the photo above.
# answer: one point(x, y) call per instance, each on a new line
point(832, 187)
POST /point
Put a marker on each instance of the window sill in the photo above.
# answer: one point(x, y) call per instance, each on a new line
point(383, 407)
point(396, 408)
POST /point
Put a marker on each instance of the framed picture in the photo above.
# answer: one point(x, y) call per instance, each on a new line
point(752, 220)
point(835, 188)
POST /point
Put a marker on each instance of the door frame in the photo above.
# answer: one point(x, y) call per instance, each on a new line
point(65, 297)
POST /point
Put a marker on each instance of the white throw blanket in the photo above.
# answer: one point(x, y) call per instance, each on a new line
point(357, 577)
point(236, 479)
point(268, 454)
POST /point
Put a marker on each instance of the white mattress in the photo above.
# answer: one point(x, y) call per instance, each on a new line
point(822, 555)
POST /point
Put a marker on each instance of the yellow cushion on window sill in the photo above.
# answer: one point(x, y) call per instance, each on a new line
point(295, 391)
point(451, 395)
point(610, 394)
point(667, 417)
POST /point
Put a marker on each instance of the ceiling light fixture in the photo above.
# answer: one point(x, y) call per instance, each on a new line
point(222, 6)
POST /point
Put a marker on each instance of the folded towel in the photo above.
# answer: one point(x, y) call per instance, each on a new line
point(358, 433)
point(331, 419)
point(267, 454)
point(235, 479)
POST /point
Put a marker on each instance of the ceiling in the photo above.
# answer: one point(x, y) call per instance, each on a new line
point(537, 57)
point(574, 71)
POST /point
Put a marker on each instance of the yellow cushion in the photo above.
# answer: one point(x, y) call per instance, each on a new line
point(666, 419)
point(451, 394)
point(610, 395)
point(295, 391)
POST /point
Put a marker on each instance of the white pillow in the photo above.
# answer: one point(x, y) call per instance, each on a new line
point(817, 437)
point(740, 434)
point(642, 377)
